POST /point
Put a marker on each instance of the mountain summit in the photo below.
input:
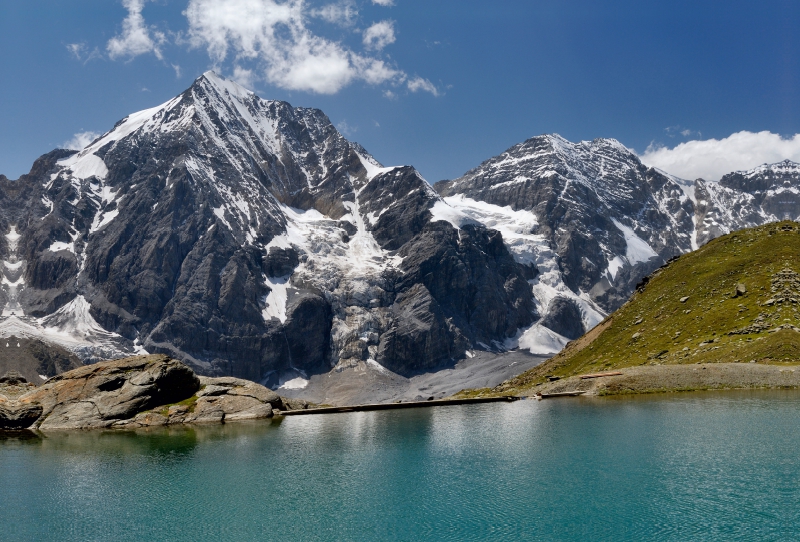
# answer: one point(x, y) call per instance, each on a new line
point(596, 221)
point(248, 238)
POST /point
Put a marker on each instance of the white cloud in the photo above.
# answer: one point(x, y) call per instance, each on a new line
point(379, 35)
point(136, 38)
point(416, 84)
point(710, 159)
point(274, 35)
point(270, 41)
point(244, 77)
point(80, 140)
point(673, 131)
point(344, 13)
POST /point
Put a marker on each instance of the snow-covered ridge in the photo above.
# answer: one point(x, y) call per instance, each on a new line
point(786, 167)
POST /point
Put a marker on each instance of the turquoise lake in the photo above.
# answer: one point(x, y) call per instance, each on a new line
point(704, 466)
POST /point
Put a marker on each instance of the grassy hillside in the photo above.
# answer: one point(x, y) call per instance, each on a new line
point(691, 312)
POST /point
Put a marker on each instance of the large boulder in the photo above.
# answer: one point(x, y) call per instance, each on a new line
point(218, 400)
point(96, 396)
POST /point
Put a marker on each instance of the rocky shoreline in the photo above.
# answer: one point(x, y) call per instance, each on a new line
point(131, 393)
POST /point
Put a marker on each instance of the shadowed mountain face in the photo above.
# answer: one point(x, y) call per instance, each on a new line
point(247, 238)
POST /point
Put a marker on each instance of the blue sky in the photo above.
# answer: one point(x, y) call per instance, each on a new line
point(440, 85)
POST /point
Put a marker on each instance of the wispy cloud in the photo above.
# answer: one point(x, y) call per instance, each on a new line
point(81, 51)
point(80, 140)
point(136, 38)
point(244, 77)
point(673, 131)
point(385, 3)
point(346, 129)
point(710, 159)
point(416, 84)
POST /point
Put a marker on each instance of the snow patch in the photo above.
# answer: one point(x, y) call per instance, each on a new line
point(13, 239)
point(614, 266)
point(60, 245)
point(373, 167)
point(73, 320)
point(637, 249)
point(378, 367)
point(516, 226)
point(298, 383)
point(441, 211)
point(84, 166)
point(276, 299)
point(541, 340)
point(101, 219)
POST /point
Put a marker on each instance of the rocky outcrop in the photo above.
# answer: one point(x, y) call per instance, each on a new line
point(564, 317)
point(219, 400)
point(134, 392)
point(102, 394)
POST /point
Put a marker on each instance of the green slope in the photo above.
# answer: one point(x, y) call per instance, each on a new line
point(660, 326)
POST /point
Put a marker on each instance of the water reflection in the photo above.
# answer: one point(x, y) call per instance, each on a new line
point(22, 435)
point(710, 466)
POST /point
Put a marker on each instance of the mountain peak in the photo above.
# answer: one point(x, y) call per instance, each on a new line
point(223, 85)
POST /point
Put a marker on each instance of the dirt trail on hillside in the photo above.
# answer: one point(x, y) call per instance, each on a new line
point(663, 378)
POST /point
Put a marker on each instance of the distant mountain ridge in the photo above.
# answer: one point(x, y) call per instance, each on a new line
point(600, 220)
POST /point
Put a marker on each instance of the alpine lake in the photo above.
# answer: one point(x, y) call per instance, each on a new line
point(684, 466)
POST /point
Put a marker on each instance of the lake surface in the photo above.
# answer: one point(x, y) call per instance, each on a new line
point(707, 466)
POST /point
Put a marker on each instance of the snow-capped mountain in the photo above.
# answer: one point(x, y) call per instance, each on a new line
point(595, 220)
point(748, 198)
point(248, 237)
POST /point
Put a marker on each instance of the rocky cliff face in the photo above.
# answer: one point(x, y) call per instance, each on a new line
point(247, 238)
